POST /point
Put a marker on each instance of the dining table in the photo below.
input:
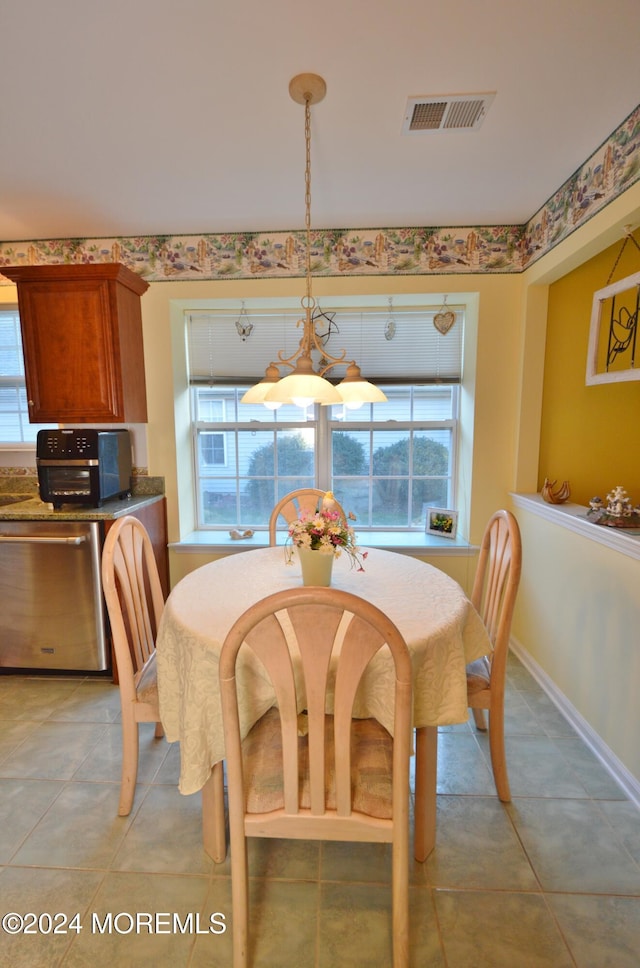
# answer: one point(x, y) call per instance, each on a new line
point(440, 626)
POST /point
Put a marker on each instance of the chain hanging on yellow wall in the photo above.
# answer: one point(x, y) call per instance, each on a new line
point(623, 325)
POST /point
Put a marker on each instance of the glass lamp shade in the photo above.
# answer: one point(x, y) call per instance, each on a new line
point(257, 393)
point(354, 390)
point(303, 389)
point(355, 394)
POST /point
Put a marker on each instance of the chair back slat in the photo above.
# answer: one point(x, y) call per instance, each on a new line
point(268, 642)
point(130, 575)
point(360, 644)
point(316, 628)
point(291, 506)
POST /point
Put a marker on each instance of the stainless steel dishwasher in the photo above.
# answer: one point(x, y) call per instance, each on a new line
point(51, 606)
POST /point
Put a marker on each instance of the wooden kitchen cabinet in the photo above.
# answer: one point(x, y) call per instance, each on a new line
point(82, 340)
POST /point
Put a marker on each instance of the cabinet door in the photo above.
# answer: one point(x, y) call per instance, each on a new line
point(82, 339)
point(70, 352)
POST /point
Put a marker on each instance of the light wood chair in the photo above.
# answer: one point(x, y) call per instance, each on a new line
point(317, 776)
point(494, 595)
point(292, 504)
point(135, 602)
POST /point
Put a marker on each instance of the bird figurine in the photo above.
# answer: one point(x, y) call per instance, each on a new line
point(559, 496)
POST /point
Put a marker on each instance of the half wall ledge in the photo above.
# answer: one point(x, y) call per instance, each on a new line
point(574, 518)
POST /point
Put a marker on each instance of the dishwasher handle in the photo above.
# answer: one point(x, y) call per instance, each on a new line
point(76, 539)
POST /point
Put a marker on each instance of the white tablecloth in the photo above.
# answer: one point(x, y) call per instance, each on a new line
point(440, 626)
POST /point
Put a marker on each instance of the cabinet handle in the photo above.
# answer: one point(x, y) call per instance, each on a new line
point(77, 539)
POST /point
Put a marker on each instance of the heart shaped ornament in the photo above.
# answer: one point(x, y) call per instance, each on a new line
point(444, 321)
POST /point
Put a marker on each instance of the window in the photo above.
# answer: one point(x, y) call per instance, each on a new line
point(396, 459)
point(386, 462)
point(14, 413)
point(213, 451)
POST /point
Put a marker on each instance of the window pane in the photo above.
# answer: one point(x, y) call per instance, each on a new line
point(274, 463)
point(217, 454)
point(10, 360)
point(390, 505)
point(260, 467)
point(354, 496)
point(433, 403)
point(338, 412)
point(256, 501)
point(431, 453)
point(427, 494)
point(384, 466)
point(10, 419)
point(419, 403)
point(211, 407)
point(390, 452)
point(212, 450)
point(218, 503)
point(350, 453)
point(397, 407)
point(14, 413)
point(296, 458)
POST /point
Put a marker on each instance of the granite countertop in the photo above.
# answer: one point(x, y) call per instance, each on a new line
point(29, 507)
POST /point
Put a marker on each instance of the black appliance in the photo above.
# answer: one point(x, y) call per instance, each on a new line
point(83, 466)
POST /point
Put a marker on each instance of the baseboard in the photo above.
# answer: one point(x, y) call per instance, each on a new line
point(626, 780)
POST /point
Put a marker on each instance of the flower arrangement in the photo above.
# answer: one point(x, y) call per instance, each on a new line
point(325, 531)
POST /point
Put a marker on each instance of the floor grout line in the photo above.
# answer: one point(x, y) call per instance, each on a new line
point(160, 843)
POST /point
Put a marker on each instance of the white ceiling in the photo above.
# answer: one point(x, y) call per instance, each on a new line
point(144, 117)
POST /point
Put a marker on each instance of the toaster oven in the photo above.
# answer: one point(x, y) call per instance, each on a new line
point(83, 466)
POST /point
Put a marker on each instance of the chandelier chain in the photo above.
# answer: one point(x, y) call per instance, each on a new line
point(307, 381)
point(307, 192)
point(628, 236)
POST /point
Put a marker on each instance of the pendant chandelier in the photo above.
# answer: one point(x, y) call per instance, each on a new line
point(306, 384)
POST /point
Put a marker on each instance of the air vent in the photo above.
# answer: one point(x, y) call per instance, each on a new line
point(453, 112)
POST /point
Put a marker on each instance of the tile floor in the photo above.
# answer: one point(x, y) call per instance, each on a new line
point(553, 879)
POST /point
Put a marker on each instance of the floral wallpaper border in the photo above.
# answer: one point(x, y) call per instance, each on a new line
point(609, 171)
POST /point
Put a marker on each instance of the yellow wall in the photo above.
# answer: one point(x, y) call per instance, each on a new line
point(590, 434)
point(578, 610)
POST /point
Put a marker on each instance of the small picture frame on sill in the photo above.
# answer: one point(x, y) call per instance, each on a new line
point(442, 521)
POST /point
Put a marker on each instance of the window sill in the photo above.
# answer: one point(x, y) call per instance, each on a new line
point(574, 518)
point(416, 543)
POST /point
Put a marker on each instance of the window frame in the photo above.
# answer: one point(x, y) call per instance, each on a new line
point(333, 297)
point(323, 423)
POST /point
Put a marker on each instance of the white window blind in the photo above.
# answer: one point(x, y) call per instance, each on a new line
point(417, 353)
point(15, 428)
point(14, 418)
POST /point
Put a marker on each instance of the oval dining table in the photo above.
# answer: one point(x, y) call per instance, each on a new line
point(442, 630)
